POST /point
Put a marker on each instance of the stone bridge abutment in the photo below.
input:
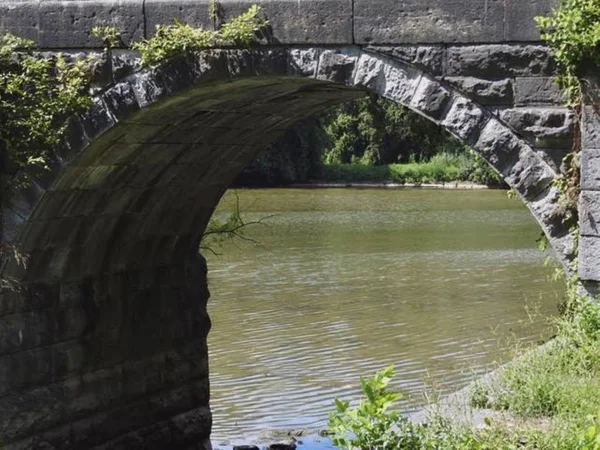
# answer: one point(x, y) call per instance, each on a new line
point(104, 346)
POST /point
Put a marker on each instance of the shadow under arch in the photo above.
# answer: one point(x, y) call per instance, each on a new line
point(113, 232)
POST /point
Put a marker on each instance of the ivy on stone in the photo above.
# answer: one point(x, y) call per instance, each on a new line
point(182, 40)
point(573, 31)
point(37, 95)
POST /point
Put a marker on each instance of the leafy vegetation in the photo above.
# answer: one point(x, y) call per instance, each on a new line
point(441, 168)
point(573, 31)
point(182, 40)
point(37, 96)
point(377, 131)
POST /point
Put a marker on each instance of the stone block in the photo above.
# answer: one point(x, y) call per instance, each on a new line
point(20, 18)
point(589, 213)
point(590, 130)
point(519, 19)
point(542, 127)
point(554, 157)
point(589, 258)
point(529, 175)
point(69, 358)
point(499, 61)
point(71, 323)
point(429, 58)
point(68, 24)
point(499, 145)
point(299, 22)
point(590, 169)
point(337, 67)
point(121, 100)
point(12, 224)
point(548, 211)
point(303, 62)
point(28, 368)
point(26, 330)
point(425, 21)
point(532, 91)
point(485, 92)
point(431, 98)
point(464, 119)
point(97, 120)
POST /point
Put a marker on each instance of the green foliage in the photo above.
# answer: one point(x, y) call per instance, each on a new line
point(573, 31)
point(109, 35)
point(376, 131)
point(371, 425)
point(441, 168)
point(182, 40)
point(37, 96)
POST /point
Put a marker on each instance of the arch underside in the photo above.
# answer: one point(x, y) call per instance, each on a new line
point(112, 233)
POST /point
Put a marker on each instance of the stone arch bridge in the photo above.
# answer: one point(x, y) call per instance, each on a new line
point(105, 344)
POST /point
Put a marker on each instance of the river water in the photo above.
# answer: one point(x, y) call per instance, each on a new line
point(342, 282)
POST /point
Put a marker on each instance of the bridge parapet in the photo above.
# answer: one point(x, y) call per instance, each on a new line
point(67, 24)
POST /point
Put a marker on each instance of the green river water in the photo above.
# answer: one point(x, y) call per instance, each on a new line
point(343, 282)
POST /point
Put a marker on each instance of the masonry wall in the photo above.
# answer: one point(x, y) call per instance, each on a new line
point(115, 362)
point(67, 24)
point(589, 201)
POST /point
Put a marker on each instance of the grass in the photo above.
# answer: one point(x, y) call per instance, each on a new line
point(442, 168)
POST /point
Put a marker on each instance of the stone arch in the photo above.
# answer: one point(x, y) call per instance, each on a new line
point(115, 298)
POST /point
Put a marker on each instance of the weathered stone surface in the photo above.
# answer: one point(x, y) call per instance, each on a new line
point(589, 213)
point(498, 145)
point(21, 18)
point(485, 92)
point(542, 127)
point(301, 22)
point(337, 67)
point(590, 129)
point(529, 175)
point(464, 119)
point(590, 169)
point(550, 214)
point(386, 78)
point(429, 58)
point(520, 16)
point(554, 157)
point(532, 91)
point(499, 61)
point(421, 21)
point(304, 62)
point(69, 24)
point(589, 258)
point(431, 98)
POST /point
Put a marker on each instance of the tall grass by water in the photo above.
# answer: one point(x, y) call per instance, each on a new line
point(441, 168)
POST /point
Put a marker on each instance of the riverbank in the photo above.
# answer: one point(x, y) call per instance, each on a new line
point(442, 169)
point(389, 185)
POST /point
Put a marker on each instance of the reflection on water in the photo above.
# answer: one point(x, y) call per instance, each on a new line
point(347, 281)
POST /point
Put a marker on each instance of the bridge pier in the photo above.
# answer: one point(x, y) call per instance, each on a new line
point(113, 362)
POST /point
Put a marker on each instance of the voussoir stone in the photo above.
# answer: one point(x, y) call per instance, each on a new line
point(464, 119)
point(431, 98)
